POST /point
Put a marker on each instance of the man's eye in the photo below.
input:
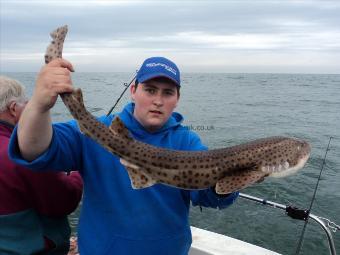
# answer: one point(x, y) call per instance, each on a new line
point(169, 93)
point(151, 91)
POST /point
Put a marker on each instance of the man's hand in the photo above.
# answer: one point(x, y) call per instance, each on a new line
point(53, 79)
point(35, 126)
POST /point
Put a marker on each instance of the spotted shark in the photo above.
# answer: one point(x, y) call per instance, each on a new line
point(227, 169)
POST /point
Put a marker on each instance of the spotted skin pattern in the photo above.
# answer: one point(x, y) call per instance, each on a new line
point(228, 169)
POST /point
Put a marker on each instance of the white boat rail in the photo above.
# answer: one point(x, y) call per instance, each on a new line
point(301, 214)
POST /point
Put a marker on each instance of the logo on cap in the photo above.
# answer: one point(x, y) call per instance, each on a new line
point(169, 68)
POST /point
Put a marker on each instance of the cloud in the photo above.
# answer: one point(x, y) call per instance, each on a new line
point(209, 30)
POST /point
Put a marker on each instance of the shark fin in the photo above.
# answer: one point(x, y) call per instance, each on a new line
point(54, 34)
point(139, 179)
point(59, 32)
point(117, 126)
point(239, 180)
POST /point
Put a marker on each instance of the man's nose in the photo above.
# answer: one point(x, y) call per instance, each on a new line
point(158, 100)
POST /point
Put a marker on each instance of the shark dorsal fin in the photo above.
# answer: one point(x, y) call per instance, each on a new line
point(117, 126)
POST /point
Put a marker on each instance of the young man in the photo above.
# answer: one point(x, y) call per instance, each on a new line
point(116, 219)
point(33, 206)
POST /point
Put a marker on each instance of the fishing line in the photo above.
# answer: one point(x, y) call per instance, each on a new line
point(298, 249)
point(121, 95)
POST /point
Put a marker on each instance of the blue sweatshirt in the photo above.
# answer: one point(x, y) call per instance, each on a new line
point(115, 218)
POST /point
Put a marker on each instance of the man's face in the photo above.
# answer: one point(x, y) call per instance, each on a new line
point(154, 103)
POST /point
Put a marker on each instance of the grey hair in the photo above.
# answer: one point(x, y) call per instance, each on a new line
point(10, 90)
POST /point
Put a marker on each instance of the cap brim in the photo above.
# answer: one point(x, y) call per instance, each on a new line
point(147, 77)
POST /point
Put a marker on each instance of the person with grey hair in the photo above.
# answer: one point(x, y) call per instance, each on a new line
point(12, 100)
point(33, 206)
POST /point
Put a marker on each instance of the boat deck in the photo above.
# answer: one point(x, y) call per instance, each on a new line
point(209, 243)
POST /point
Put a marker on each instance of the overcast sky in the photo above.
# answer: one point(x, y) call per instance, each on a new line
point(283, 36)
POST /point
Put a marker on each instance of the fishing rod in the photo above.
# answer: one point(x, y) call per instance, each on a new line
point(121, 95)
point(301, 214)
point(298, 249)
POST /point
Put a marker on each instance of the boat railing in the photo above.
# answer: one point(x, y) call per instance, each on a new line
point(301, 214)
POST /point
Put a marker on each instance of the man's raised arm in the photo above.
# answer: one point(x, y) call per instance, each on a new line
point(35, 126)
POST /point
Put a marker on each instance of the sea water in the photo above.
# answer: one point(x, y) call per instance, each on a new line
point(228, 109)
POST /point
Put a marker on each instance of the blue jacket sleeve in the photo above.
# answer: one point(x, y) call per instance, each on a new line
point(208, 197)
point(63, 154)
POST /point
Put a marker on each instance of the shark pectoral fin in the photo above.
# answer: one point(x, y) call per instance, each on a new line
point(239, 180)
point(139, 179)
point(117, 126)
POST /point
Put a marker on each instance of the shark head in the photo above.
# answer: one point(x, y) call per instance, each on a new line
point(289, 157)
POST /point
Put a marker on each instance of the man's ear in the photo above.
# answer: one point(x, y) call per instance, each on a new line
point(179, 96)
point(12, 109)
point(133, 91)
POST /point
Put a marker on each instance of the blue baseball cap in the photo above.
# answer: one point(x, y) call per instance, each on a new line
point(158, 67)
